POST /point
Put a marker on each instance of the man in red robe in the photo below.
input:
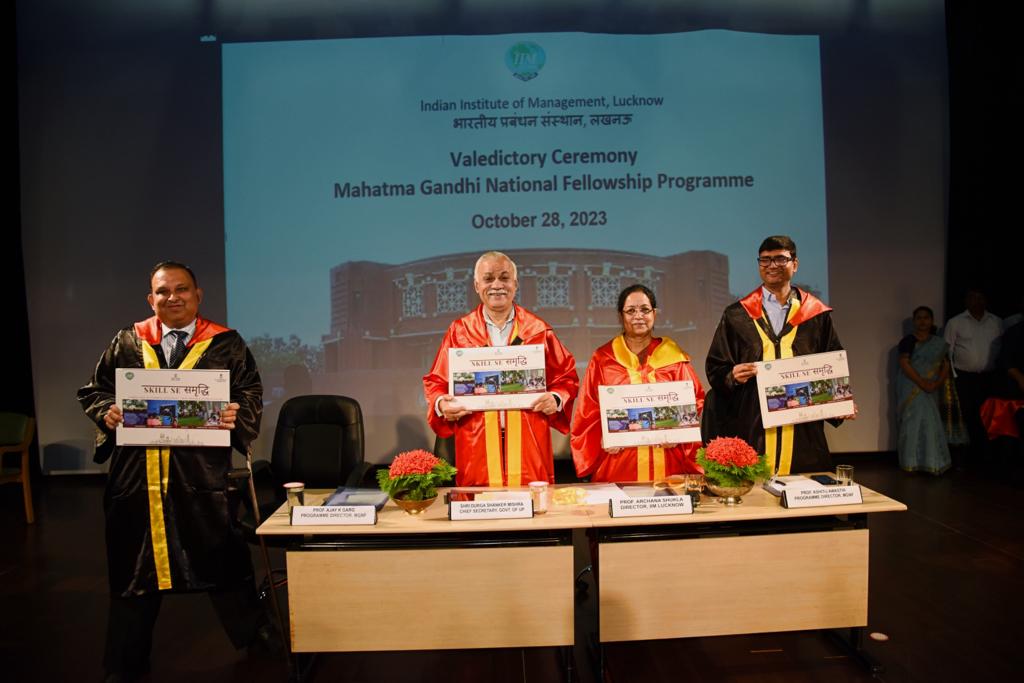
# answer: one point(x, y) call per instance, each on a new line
point(507, 447)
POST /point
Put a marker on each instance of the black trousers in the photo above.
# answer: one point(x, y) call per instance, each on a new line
point(973, 388)
point(131, 621)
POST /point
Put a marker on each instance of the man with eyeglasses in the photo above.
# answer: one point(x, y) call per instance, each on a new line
point(776, 320)
point(508, 447)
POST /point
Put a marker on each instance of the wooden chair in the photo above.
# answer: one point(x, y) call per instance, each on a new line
point(16, 432)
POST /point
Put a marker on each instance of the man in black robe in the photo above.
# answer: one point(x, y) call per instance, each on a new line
point(169, 525)
point(774, 321)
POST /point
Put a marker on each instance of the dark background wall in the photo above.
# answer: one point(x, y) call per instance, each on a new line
point(984, 245)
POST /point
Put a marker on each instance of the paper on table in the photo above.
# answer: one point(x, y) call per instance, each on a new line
point(602, 494)
point(638, 491)
point(791, 481)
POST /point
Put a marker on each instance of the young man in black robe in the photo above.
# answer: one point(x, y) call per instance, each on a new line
point(776, 320)
point(169, 526)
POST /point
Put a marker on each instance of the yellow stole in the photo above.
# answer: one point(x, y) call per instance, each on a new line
point(779, 450)
point(158, 468)
point(513, 441)
point(667, 353)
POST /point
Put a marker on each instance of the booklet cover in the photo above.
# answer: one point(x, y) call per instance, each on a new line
point(496, 377)
point(804, 389)
point(648, 414)
point(172, 407)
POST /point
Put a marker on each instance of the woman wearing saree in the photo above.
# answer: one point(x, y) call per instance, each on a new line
point(636, 356)
point(923, 393)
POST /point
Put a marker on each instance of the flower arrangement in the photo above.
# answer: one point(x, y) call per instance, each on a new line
point(414, 475)
point(731, 462)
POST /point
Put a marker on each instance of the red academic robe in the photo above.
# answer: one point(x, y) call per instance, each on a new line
point(613, 364)
point(486, 455)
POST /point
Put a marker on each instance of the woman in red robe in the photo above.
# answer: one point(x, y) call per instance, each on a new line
point(634, 357)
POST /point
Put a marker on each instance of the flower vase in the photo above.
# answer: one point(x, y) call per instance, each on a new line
point(730, 495)
point(414, 507)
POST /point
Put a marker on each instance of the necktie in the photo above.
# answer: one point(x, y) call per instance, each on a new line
point(178, 352)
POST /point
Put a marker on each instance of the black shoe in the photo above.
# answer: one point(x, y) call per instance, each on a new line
point(266, 642)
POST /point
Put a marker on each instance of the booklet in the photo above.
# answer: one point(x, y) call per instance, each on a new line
point(172, 407)
point(497, 377)
point(804, 389)
point(648, 414)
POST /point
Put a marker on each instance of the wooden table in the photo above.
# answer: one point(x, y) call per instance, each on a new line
point(754, 567)
point(751, 568)
point(497, 583)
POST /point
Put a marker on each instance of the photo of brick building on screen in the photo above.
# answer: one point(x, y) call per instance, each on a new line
point(387, 320)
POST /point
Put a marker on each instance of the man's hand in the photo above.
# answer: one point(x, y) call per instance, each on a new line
point(228, 415)
point(743, 372)
point(451, 410)
point(113, 417)
point(545, 403)
point(855, 412)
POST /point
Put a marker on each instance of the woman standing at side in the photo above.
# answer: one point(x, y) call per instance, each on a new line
point(923, 390)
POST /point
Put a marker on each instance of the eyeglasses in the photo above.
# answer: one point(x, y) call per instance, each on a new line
point(630, 312)
point(780, 260)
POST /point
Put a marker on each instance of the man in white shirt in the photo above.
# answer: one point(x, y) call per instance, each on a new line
point(973, 338)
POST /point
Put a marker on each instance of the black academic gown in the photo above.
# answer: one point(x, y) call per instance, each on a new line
point(203, 548)
point(732, 409)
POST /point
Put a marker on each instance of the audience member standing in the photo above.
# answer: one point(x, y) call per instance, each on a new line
point(972, 337)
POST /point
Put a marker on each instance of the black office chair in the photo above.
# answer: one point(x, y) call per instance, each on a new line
point(444, 448)
point(318, 441)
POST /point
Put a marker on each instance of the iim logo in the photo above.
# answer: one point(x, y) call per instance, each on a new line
point(525, 60)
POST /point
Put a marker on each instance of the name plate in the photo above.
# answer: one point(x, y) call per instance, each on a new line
point(822, 497)
point(345, 515)
point(462, 510)
point(649, 506)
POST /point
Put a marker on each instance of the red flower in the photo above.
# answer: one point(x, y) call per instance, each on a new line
point(728, 450)
point(412, 462)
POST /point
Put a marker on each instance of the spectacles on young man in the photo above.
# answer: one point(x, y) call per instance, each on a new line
point(779, 260)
